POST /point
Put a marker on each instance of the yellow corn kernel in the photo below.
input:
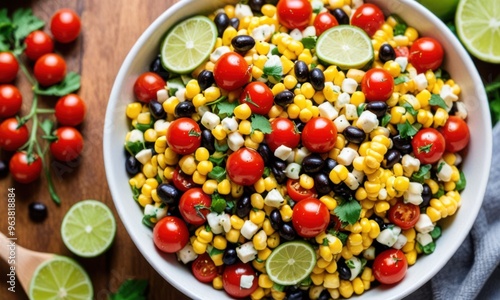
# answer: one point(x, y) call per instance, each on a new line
point(192, 89)
point(199, 247)
point(397, 113)
point(357, 98)
point(224, 187)
point(149, 170)
point(210, 186)
point(257, 201)
point(382, 206)
point(346, 289)
point(286, 60)
point(219, 133)
point(332, 267)
point(289, 82)
point(307, 90)
point(262, 47)
point(296, 47)
point(306, 181)
point(358, 286)
point(170, 104)
point(146, 189)
point(411, 33)
point(401, 183)
point(144, 200)
point(317, 279)
point(330, 73)
point(259, 240)
point(204, 167)
point(242, 111)
point(266, 226)
point(306, 56)
point(257, 216)
point(265, 281)
point(212, 93)
point(133, 110)
point(440, 117)
point(204, 236)
point(355, 239)
point(233, 235)
point(259, 186)
point(228, 34)
point(409, 246)
point(338, 174)
point(433, 185)
point(326, 255)
point(411, 257)
point(199, 178)
point(286, 213)
point(217, 283)
point(433, 214)
point(393, 68)
point(187, 164)
point(256, 72)
point(245, 127)
point(293, 111)
point(160, 144)
point(329, 202)
point(273, 240)
point(199, 100)
point(331, 281)
point(220, 242)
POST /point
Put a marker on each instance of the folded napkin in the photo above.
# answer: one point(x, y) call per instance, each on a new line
point(474, 271)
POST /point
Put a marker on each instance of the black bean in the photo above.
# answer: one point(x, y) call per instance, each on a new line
point(301, 71)
point(168, 193)
point(312, 163)
point(287, 232)
point(386, 53)
point(230, 257)
point(296, 294)
point(256, 5)
point(391, 157)
point(37, 211)
point(342, 190)
point(229, 209)
point(341, 16)
point(379, 248)
point(4, 169)
point(317, 79)
point(221, 21)
point(278, 168)
point(157, 68)
point(205, 79)
point(234, 22)
point(299, 125)
point(184, 109)
point(173, 210)
point(426, 195)
point(379, 108)
point(322, 183)
point(275, 218)
point(132, 165)
point(156, 109)
point(325, 295)
point(330, 163)
point(208, 140)
point(380, 222)
point(243, 206)
point(402, 144)
point(242, 43)
point(266, 153)
point(284, 98)
point(354, 135)
point(344, 271)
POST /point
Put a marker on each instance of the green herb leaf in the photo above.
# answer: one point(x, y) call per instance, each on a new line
point(267, 172)
point(217, 158)
point(6, 28)
point(134, 147)
point(360, 108)
point(340, 235)
point(348, 211)
point(400, 29)
point(226, 108)
point(275, 51)
point(47, 126)
point(440, 166)
point(273, 68)
point(278, 287)
point(442, 74)
point(70, 84)
point(400, 79)
point(439, 193)
point(218, 203)
point(217, 173)
point(131, 289)
point(136, 192)
point(409, 109)
point(425, 149)
point(25, 22)
point(261, 123)
point(386, 119)
point(408, 130)
point(220, 147)
point(436, 100)
point(214, 251)
point(146, 220)
point(309, 42)
point(422, 174)
point(461, 183)
point(350, 264)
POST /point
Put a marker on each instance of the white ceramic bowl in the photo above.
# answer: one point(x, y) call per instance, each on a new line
point(476, 165)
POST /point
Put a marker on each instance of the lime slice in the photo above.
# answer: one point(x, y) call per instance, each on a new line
point(347, 47)
point(88, 228)
point(60, 278)
point(188, 44)
point(291, 262)
point(478, 26)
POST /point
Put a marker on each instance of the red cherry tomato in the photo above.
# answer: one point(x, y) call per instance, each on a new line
point(456, 134)
point(258, 96)
point(377, 85)
point(8, 67)
point(146, 86)
point(310, 217)
point(402, 51)
point(294, 13)
point(319, 135)
point(245, 166)
point(390, 266)
point(38, 43)
point(204, 268)
point(297, 192)
point(23, 171)
point(324, 21)
point(11, 100)
point(428, 145)
point(426, 54)
point(404, 215)
point(194, 206)
point(283, 132)
point(69, 144)
point(65, 25)
point(231, 71)
point(70, 110)
point(368, 17)
point(11, 137)
point(182, 182)
point(184, 136)
point(231, 279)
point(170, 234)
point(50, 69)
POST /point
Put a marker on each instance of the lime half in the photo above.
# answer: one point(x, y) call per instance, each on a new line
point(60, 278)
point(88, 228)
point(478, 26)
point(291, 262)
point(188, 44)
point(346, 46)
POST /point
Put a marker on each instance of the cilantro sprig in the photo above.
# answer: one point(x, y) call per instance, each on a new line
point(131, 289)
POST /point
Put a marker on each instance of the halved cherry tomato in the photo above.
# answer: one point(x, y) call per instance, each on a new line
point(245, 166)
point(11, 137)
point(170, 234)
point(70, 110)
point(184, 136)
point(194, 206)
point(324, 21)
point(319, 135)
point(50, 69)
point(182, 182)
point(69, 144)
point(65, 25)
point(258, 96)
point(231, 71)
point(426, 53)
point(147, 85)
point(283, 132)
point(297, 192)
point(428, 145)
point(402, 51)
point(231, 278)
point(310, 217)
point(11, 100)
point(377, 85)
point(294, 13)
point(456, 134)
point(8, 67)
point(390, 266)
point(24, 171)
point(204, 268)
point(368, 17)
point(404, 215)
point(38, 43)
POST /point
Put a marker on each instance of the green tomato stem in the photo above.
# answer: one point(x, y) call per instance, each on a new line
point(46, 170)
point(45, 111)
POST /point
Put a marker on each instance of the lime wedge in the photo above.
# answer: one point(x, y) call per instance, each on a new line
point(478, 26)
point(88, 228)
point(188, 44)
point(60, 278)
point(291, 262)
point(346, 46)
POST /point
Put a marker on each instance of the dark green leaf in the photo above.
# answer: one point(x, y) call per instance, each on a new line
point(306, 281)
point(360, 108)
point(217, 158)
point(144, 127)
point(217, 173)
point(340, 235)
point(461, 183)
point(47, 126)
point(261, 123)
point(218, 203)
point(131, 289)
point(70, 84)
point(220, 147)
point(439, 193)
point(136, 192)
point(409, 109)
point(400, 79)
point(436, 100)
point(442, 74)
point(274, 71)
point(350, 264)
point(25, 22)
point(309, 42)
point(408, 130)
point(440, 166)
point(422, 173)
point(218, 100)
point(278, 287)
point(6, 28)
point(348, 211)
point(400, 29)
point(226, 108)
point(275, 51)
point(134, 147)
point(267, 172)
point(146, 220)
point(386, 119)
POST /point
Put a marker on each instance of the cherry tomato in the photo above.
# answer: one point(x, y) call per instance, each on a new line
point(50, 69)
point(194, 206)
point(310, 217)
point(231, 71)
point(69, 144)
point(8, 67)
point(283, 132)
point(231, 279)
point(456, 134)
point(404, 215)
point(11, 137)
point(184, 136)
point(294, 13)
point(170, 234)
point(368, 17)
point(204, 268)
point(426, 53)
point(377, 85)
point(70, 110)
point(390, 266)
point(428, 145)
point(22, 171)
point(11, 100)
point(245, 166)
point(38, 43)
point(297, 192)
point(319, 135)
point(402, 51)
point(324, 21)
point(182, 182)
point(65, 25)
point(258, 96)
point(147, 85)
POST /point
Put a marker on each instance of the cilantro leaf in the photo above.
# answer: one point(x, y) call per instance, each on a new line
point(218, 203)
point(386, 119)
point(70, 84)
point(440, 166)
point(438, 101)
point(217, 173)
point(348, 211)
point(261, 123)
point(409, 109)
point(146, 220)
point(400, 79)
point(408, 130)
point(6, 28)
point(422, 173)
point(47, 126)
point(24, 23)
point(309, 42)
point(217, 158)
point(226, 108)
point(131, 289)
point(400, 29)
point(273, 68)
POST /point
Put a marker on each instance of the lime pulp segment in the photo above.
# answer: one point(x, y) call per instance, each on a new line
point(60, 279)
point(291, 262)
point(188, 44)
